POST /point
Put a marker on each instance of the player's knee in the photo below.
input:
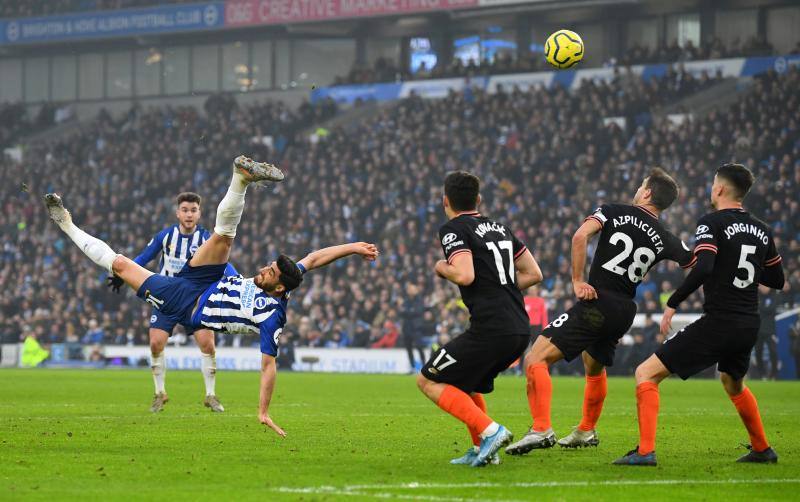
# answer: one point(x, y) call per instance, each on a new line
point(731, 385)
point(422, 383)
point(642, 373)
point(120, 264)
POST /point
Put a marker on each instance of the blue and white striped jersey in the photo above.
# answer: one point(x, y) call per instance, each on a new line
point(236, 305)
point(175, 248)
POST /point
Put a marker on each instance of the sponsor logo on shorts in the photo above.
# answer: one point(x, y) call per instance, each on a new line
point(153, 318)
point(277, 335)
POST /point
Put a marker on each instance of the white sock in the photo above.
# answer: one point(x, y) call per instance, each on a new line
point(97, 250)
point(209, 369)
point(229, 210)
point(490, 430)
point(159, 368)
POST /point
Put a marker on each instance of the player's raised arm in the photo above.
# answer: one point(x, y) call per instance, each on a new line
point(580, 242)
point(324, 256)
point(705, 253)
point(528, 271)
point(268, 373)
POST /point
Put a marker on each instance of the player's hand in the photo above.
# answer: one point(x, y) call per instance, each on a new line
point(666, 320)
point(584, 290)
point(114, 282)
point(367, 251)
point(264, 419)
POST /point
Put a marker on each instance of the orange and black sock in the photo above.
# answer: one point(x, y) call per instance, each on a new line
point(480, 403)
point(459, 404)
point(594, 394)
point(540, 393)
point(647, 407)
point(747, 407)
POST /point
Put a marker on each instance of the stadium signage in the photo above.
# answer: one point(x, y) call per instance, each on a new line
point(263, 12)
point(167, 19)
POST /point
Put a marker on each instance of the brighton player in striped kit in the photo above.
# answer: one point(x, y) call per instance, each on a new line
point(200, 296)
point(176, 244)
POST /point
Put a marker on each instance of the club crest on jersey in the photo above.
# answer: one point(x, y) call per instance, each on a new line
point(485, 228)
point(261, 302)
point(447, 239)
point(193, 249)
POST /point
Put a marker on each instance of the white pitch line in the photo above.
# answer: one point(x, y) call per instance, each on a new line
point(328, 490)
point(556, 484)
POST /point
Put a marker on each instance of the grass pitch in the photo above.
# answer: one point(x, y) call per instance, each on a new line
point(88, 434)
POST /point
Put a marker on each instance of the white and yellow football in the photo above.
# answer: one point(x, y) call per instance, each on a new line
point(563, 49)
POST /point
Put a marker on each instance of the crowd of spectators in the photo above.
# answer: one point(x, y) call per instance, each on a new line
point(386, 70)
point(546, 158)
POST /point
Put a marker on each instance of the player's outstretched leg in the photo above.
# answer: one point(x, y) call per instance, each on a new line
point(461, 405)
point(539, 389)
point(648, 375)
point(747, 406)
point(217, 249)
point(594, 395)
point(98, 251)
point(472, 453)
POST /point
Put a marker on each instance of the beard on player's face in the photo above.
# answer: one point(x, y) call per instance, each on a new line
point(268, 279)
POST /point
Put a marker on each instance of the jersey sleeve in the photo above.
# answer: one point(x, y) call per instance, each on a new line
point(772, 256)
point(705, 237)
point(151, 250)
point(270, 331)
point(453, 241)
point(519, 246)
point(302, 268)
point(601, 214)
point(681, 253)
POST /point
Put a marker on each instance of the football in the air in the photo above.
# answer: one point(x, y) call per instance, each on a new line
point(563, 49)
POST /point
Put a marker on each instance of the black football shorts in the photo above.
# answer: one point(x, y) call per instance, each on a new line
point(472, 361)
point(711, 340)
point(594, 326)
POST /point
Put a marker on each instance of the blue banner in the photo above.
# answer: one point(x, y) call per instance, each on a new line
point(167, 19)
point(351, 93)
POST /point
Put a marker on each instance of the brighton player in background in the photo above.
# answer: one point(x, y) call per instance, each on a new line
point(632, 240)
point(200, 295)
point(177, 244)
point(735, 252)
point(490, 266)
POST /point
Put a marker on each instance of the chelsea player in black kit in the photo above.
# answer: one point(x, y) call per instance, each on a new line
point(490, 266)
point(735, 253)
point(632, 240)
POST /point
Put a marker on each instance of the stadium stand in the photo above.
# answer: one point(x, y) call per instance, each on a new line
point(547, 158)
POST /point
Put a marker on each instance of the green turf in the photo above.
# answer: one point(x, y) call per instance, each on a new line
point(89, 435)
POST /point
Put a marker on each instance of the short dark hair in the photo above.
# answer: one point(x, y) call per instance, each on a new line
point(290, 277)
point(188, 197)
point(461, 189)
point(739, 176)
point(663, 188)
